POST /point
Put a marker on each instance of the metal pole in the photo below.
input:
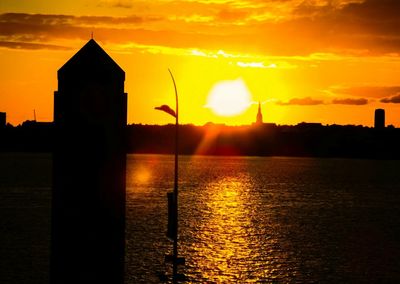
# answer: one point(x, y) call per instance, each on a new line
point(175, 257)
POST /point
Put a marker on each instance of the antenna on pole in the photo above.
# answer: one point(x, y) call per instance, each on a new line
point(34, 114)
point(91, 35)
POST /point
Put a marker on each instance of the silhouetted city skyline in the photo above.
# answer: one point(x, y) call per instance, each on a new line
point(304, 139)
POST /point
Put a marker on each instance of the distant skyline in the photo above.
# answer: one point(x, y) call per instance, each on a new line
point(333, 62)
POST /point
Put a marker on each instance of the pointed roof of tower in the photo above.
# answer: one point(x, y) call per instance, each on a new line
point(91, 58)
point(259, 119)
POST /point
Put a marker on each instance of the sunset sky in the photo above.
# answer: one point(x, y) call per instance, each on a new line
point(328, 61)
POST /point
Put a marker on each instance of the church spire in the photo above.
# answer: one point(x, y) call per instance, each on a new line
point(259, 119)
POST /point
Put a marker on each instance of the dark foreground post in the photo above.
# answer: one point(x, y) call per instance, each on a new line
point(175, 247)
point(89, 164)
point(173, 221)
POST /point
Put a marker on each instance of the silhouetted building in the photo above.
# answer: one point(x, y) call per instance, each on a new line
point(89, 165)
point(36, 124)
point(269, 125)
point(379, 118)
point(259, 119)
point(309, 125)
point(3, 119)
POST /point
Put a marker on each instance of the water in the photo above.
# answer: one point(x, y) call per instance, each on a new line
point(268, 220)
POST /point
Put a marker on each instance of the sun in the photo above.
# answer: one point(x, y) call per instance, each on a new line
point(229, 98)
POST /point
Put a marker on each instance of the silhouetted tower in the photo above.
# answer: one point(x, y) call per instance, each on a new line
point(259, 119)
point(379, 118)
point(89, 164)
point(3, 119)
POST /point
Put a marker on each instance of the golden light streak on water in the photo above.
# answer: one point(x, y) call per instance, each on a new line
point(228, 233)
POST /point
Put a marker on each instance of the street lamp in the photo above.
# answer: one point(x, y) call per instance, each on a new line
point(172, 232)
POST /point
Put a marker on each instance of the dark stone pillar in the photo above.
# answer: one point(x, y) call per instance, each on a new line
point(89, 170)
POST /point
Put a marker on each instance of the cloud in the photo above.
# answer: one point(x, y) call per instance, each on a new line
point(255, 65)
point(350, 101)
point(394, 100)
point(32, 31)
point(308, 101)
point(115, 4)
point(273, 28)
point(368, 23)
point(226, 15)
point(367, 91)
point(46, 29)
point(51, 19)
point(31, 46)
point(323, 26)
point(39, 28)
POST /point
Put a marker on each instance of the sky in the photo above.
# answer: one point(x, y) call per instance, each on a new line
point(328, 61)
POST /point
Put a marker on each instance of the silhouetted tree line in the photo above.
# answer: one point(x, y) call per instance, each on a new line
point(304, 140)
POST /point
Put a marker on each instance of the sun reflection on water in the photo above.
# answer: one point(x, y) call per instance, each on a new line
point(226, 232)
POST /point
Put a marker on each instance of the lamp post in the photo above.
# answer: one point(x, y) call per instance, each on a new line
point(172, 232)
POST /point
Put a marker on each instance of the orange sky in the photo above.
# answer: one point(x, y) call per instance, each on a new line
point(329, 61)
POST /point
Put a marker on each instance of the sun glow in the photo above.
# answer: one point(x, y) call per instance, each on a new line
point(229, 98)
